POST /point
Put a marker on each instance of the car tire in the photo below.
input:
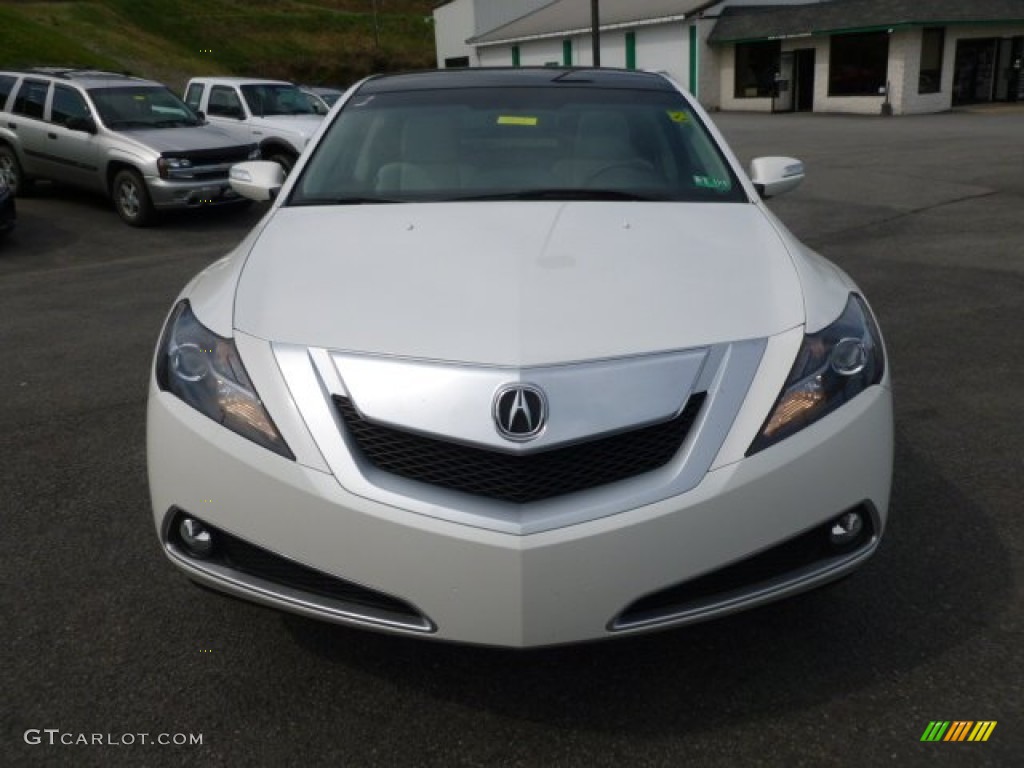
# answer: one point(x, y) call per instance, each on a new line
point(19, 184)
point(131, 199)
point(285, 160)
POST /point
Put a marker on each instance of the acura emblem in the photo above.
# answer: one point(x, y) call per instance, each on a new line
point(520, 412)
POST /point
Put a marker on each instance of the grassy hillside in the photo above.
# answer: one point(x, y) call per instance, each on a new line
point(316, 41)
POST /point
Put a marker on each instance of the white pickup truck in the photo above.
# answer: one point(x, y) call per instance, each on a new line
point(273, 113)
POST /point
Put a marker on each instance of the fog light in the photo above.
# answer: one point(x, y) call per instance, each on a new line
point(196, 538)
point(846, 529)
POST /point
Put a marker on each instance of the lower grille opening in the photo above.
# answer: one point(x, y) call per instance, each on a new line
point(231, 553)
point(781, 564)
point(519, 478)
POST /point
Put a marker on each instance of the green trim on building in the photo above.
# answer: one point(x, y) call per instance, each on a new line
point(693, 60)
point(516, 61)
point(631, 50)
point(567, 52)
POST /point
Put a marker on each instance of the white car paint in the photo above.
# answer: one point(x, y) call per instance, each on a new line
point(505, 305)
point(406, 307)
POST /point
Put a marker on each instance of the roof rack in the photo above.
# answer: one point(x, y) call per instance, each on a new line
point(75, 73)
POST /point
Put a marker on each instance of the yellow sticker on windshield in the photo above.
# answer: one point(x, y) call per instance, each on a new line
point(678, 117)
point(517, 120)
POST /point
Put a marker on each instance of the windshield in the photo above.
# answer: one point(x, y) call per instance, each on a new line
point(145, 106)
point(548, 142)
point(265, 99)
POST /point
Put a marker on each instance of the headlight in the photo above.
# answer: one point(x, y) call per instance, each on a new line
point(205, 371)
point(165, 165)
point(833, 366)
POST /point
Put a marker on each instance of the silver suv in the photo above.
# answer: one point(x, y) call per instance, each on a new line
point(129, 138)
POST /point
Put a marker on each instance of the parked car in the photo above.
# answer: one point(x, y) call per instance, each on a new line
point(519, 358)
point(8, 212)
point(273, 113)
point(128, 138)
point(321, 99)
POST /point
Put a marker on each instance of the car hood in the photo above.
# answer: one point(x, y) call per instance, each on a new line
point(517, 284)
point(184, 139)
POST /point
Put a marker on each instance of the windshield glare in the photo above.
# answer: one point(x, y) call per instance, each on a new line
point(267, 99)
point(141, 107)
point(560, 142)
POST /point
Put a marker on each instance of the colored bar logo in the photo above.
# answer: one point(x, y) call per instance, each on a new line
point(958, 730)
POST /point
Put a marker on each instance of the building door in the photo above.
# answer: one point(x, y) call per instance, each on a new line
point(974, 70)
point(803, 89)
point(1003, 60)
point(783, 98)
point(1015, 70)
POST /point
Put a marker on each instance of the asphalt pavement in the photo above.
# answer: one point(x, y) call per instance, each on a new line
point(106, 642)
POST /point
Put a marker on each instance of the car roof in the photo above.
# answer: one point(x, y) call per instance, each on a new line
point(89, 78)
point(497, 77)
point(233, 80)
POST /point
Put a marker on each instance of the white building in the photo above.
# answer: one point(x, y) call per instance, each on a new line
point(870, 56)
point(662, 35)
point(864, 56)
point(457, 21)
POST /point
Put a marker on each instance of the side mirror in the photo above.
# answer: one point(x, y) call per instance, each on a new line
point(85, 124)
point(257, 179)
point(201, 115)
point(774, 176)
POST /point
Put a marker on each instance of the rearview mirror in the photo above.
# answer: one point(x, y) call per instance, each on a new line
point(775, 175)
point(257, 179)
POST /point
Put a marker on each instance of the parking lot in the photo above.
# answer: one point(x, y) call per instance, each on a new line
point(105, 637)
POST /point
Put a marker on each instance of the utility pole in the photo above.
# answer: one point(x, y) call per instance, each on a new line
point(376, 27)
point(595, 31)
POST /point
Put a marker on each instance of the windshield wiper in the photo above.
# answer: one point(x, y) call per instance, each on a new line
point(568, 193)
point(179, 123)
point(350, 200)
point(129, 124)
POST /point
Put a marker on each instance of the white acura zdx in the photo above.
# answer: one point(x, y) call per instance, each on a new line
point(519, 357)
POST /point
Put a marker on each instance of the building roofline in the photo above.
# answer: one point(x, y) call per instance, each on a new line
point(486, 39)
point(581, 30)
point(813, 32)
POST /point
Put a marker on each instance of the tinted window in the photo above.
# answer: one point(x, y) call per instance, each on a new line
point(930, 78)
point(31, 98)
point(316, 103)
point(276, 99)
point(224, 101)
point(756, 66)
point(67, 103)
point(194, 96)
point(141, 106)
point(6, 86)
point(559, 142)
point(858, 64)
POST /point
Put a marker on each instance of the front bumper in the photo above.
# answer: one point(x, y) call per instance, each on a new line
point(487, 587)
point(170, 194)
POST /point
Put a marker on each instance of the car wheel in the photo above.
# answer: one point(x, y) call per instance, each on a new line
point(10, 171)
point(131, 199)
point(285, 160)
